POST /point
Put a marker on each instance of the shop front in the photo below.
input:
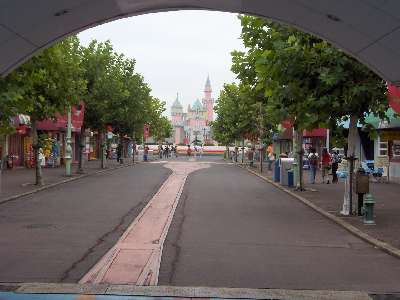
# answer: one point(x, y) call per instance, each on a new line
point(388, 152)
point(53, 136)
point(314, 139)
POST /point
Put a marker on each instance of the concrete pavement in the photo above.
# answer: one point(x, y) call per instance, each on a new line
point(58, 234)
point(329, 197)
point(231, 229)
point(129, 292)
point(135, 259)
point(18, 181)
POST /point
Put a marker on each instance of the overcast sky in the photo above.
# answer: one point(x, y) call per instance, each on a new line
point(175, 51)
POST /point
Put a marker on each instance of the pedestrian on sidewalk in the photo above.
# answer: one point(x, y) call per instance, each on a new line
point(145, 153)
point(335, 163)
point(189, 151)
point(325, 165)
point(119, 153)
point(160, 151)
point(313, 161)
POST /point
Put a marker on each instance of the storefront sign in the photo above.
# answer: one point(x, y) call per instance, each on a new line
point(396, 148)
point(389, 135)
point(382, 161)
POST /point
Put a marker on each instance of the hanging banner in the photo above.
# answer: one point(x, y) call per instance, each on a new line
point(394, 97)
point(146, 131)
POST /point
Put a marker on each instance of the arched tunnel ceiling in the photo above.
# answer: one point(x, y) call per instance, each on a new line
point(369, 30)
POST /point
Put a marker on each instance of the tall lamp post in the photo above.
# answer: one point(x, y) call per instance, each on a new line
point(68, 147)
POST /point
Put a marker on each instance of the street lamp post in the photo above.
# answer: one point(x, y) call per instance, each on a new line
point(68, 147)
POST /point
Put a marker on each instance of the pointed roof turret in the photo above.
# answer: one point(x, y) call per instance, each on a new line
point(197, 105)
point(207, 87)
point(176, 103)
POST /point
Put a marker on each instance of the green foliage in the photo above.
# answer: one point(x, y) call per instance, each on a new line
point(303, 78)
point(46, 84)
point(117, 95)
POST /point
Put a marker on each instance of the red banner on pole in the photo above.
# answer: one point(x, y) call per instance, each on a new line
point(146, 131)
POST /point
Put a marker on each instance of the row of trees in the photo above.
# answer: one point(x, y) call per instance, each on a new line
point(288, 75)
point(63, 75)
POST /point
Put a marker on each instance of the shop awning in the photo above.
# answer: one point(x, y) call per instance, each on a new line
point(318, 132)
point(60, 122)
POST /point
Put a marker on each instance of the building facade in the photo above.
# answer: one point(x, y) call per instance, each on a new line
point(193, 126)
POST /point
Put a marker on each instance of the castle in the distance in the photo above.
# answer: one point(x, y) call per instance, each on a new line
point(193, 126)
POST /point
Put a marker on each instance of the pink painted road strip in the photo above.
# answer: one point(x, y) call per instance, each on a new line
point(136, 257)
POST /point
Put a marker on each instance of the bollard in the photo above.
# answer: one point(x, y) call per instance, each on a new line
point(277, 171)
point(369, 210)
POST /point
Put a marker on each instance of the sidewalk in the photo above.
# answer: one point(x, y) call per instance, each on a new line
point(329, 197)
point(21, 180)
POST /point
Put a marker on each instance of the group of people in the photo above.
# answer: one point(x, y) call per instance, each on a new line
point(328, 162)
point(196, 150)
point(167, 151)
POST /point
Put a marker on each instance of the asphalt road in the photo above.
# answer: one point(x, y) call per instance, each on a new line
point(231, 229)
point(58, 234)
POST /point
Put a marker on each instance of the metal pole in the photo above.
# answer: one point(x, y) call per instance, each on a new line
point(352, 158)
point(68, 147)
point(327, 139)
point(261, 152)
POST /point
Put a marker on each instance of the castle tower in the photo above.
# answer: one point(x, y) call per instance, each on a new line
point(208, 101)
point(177, 117)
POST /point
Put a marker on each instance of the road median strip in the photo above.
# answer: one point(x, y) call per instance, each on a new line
point(51, 185)
point(388, 248)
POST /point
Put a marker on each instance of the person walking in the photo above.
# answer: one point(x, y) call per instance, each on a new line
point(119, 153)
point(189, 151)
point(145, 153)
point(325, 165)
point(160, 151)
point(335, 163)
point(313, 161)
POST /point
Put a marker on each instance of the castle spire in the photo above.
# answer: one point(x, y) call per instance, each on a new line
point(207, 87)
point(177, 103)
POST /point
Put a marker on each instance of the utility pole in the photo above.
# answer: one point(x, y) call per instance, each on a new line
point(261, 145)
point(68, 147)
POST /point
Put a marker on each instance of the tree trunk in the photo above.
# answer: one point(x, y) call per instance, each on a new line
point(102, 150)
point(236, 152)
point(82, 141)
point(3, 154)
point(2, 159)
point(351, 155)
point(242, 150)
point(299, 157)
point(133, 148)
point(35, 145)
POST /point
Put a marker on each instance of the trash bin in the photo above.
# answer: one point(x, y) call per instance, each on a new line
point(276, 171)
point(290, 178)
point(286, 165)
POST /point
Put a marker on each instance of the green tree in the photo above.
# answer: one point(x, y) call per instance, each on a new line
point(48, 83)
point(305, 79)
point(103, 72)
